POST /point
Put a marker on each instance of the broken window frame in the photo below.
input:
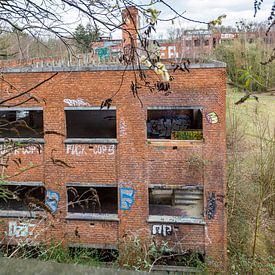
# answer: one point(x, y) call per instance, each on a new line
point(175, 219)
point(69, 140)
point(91, 216)
point(24, 139)
point(170, 140)
point(23, 213)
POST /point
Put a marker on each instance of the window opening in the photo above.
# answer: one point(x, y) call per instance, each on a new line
point(91, 123)
point(175, 124)
point(92, 199)
point(176, 202)
point(21, 198)
point(21, 124)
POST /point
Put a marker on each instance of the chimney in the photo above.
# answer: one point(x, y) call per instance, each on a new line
point(130, 18)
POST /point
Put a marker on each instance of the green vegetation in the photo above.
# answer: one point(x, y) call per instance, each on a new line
point(84, 36)
point(251, 184)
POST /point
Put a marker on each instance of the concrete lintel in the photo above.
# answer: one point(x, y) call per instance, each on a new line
point(91, 140)
point(174, 107)
point(23, 140)
point(174, 219)
point(94, 245)
point(92, 217)
point(91, 184)
point(24, 183)
point(21, 214)
point(21, 109)
point(89, 108)
point(175, 186)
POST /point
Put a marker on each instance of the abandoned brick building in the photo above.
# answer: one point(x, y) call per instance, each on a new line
point(154, 169)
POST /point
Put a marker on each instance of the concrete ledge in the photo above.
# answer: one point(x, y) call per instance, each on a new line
point(174, 219)
point(21, 214)
point(210, 65)
point(91, 140)
point(23, 183)
point(23, 140)
point(92, 217)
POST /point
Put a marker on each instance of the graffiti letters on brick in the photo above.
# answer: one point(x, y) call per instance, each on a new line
point(127, 198)
point(212, 118)
point(6, 149)
point(52, 199)
point(162, 230)
point(163, 127)
point(104, 149)
point(212, 206)
point(17, 229)
point(122, 127)
point(76, 102)
point(75, 149)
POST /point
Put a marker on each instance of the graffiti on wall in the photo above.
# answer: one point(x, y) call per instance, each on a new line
point(162, 230)
point(104, 149)
point(7, 149)
point(80, 150)
point(127, 198)
point(75, 149)
point(163, 127)
point(20, 229)
point(212, 118)
point(79, 102)
point(122, 127)
point(103, 53)
point(212, 206)
point(52, 199)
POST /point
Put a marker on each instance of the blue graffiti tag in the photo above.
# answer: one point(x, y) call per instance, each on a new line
point(127, 198)
point(212, 206)
point(52, 199)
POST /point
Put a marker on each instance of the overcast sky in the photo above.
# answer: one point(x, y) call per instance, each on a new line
point(206, 10)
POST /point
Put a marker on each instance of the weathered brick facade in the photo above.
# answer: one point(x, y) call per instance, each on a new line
point(129, 161)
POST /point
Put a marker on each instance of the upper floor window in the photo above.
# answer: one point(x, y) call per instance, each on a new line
point(176, 123)
point(21, 123)
point(90, 123)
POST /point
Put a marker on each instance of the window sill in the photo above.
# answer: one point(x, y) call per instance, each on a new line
point(91, 140)
point(21, 214)
point(92, 217)
point(23, 140)
point(170, 142)
point(175, 219)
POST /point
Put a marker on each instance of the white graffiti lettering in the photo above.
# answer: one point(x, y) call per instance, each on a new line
point(104, 149)
point(12, 150)
point(76, 102)
point(123, 127)
point(75, 149)
point(20, 229)
point(162, 229)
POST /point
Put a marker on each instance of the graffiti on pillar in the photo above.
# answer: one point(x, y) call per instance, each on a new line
point(20, 229)
point(122, 127)
point(163, 127)
point(212, 206)
point(52, 199)
point(103, 53)
point(212, 118)
point(127, 198)
point(162, 230)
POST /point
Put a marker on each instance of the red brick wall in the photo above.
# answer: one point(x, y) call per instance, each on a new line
point(134, 162)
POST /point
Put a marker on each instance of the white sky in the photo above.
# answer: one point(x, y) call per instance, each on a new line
point(205, 10)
